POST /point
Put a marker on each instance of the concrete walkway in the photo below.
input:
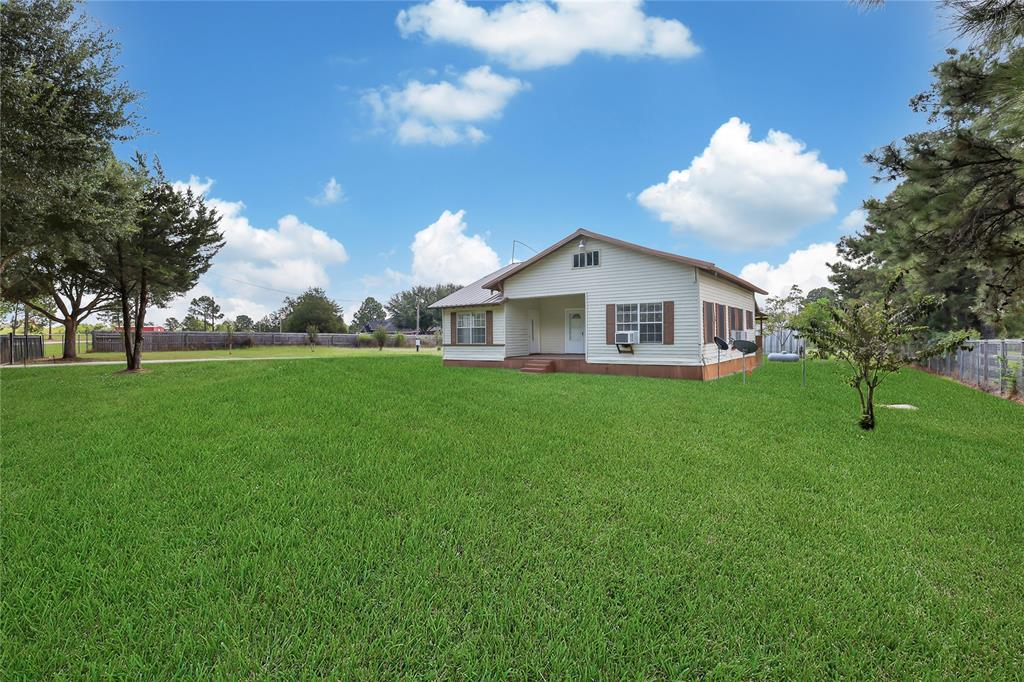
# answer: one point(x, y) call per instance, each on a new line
point(92, 363)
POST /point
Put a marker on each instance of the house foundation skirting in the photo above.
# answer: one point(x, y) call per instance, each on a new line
point(581, 366)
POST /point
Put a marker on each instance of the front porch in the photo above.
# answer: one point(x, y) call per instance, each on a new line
point(546, 325)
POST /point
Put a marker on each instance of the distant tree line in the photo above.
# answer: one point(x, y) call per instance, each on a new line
point(314, 308)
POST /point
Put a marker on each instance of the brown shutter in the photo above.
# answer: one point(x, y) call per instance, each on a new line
point(609, 324)
point(455, 331)
point(721, 323)
point(489, 329)
point(668, 316)
point(709, 322)
point(750, 320)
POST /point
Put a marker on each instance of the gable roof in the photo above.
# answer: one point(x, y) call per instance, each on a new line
point(475, 293)
point(498, 277)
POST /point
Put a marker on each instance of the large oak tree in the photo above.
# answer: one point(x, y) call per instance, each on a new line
point(63, 105)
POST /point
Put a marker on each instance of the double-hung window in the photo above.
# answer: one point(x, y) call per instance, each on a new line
point(647, 319)
point(588, 259)
point(471, 328)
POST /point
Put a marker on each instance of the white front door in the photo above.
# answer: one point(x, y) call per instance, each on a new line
point(534, 330)
point(575, 329)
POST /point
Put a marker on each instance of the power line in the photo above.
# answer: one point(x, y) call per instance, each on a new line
point(281, 291)
point(260, 286)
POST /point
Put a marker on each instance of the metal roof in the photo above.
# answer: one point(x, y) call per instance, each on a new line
point(475, 293)
point(497, 278)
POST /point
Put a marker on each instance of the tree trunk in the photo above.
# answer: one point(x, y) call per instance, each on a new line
point(867, 417)
point(140, 322)
point(70, 336)
point(125, 320)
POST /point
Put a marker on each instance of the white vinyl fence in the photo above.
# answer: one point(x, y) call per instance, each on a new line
point(782, 341)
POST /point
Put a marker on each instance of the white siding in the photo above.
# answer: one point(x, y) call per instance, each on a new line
point(473, 352)
point(718, 290)
point(624, 276)
point(517, 333)
point(552, 320)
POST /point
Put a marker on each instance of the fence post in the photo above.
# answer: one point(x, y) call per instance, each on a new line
point(977, 364)
point(1003, 366)
point(1020, 369)
point(984, 349)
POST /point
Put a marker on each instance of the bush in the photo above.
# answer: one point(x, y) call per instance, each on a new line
point(380, 335)
point(364, 340)
point(399, 340)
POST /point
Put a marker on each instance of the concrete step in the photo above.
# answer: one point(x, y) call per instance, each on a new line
point(538, 367)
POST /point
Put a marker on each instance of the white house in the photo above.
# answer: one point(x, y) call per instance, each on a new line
point(591, 303)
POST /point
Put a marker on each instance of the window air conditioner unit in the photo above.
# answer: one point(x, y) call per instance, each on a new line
point(627, 337)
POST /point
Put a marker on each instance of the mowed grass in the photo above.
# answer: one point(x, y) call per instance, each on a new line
point(244, 353)
point(353, 517)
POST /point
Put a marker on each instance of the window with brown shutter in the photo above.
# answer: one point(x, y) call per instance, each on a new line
point(735, 319)
point(709, 322)
point(721, 323)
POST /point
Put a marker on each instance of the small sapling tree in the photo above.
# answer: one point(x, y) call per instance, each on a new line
point(877, 338)
point(380, 335)
point(312, 334)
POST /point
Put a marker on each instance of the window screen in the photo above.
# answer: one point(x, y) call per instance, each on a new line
point(647, 319)
point(472, 327)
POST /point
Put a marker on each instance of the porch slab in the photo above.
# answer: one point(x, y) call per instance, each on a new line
point(563, 362)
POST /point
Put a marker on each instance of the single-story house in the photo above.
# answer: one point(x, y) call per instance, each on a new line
point(592, 303)
point(374, 325)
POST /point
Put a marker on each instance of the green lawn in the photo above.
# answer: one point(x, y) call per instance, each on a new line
point(352, 517)
point(254, 352)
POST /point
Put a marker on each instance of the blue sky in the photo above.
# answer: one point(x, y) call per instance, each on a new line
point(519, 127)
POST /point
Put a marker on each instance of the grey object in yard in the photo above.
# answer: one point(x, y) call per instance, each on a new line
point(745, 347)
point(783, 357)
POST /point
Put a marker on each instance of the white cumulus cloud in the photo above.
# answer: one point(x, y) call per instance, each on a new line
point(854, 221)
point(446, 112)
point(743, 193)
point(807, 268)
point(331, 193)
point(442, 252)
point(533, 34)
point(258, 266)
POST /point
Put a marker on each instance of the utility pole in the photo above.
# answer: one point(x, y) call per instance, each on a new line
point(417, 316)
